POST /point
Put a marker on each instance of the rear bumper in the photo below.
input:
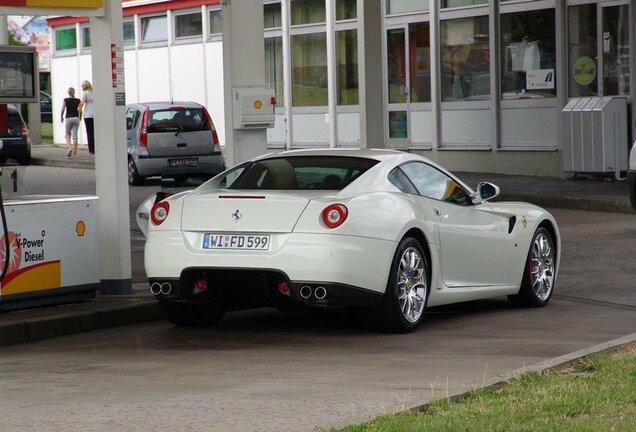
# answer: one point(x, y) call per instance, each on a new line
point(256, 288)
point(210, 165)
point(361, 264)
point(13, 148)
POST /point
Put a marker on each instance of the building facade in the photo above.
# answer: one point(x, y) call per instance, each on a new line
point(477, 85)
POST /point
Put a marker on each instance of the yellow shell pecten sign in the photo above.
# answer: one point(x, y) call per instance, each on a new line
point(584, 71)
point(85, 4)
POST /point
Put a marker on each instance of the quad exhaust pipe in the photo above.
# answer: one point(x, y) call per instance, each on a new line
point(308, 293)
point(161, 288)
point(305, 291)
point(320, 293)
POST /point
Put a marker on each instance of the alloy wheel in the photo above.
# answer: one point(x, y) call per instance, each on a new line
point(412, 284)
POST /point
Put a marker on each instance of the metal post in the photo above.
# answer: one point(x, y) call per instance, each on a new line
point(110, 150)
point(331, 73)
point(243, 65)
point(372, 108)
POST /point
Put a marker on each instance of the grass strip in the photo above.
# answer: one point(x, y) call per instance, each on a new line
point(595, 393)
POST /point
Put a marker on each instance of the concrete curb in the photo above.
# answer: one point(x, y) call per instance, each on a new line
point(65, 323)
point(80, 162)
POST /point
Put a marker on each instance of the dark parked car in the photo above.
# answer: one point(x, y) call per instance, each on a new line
point(15, 141)
point(46, 108)
point(171, 139)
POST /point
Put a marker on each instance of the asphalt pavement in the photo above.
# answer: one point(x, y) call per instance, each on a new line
point(577, 193)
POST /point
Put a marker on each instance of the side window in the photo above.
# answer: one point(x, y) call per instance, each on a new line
point(432, 183)
point(130, 118)
point(401, 181)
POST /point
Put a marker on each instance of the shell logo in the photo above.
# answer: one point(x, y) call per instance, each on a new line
point(15, 252)
point(258, 104)
point(80, 228)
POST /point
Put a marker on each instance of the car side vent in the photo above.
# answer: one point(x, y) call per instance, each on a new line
point(511, 224)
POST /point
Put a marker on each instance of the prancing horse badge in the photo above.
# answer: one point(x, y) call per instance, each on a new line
point(236, 215)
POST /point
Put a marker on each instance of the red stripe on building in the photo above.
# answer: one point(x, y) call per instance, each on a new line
point(12, 2)
point(62, 21)
point(135, 10)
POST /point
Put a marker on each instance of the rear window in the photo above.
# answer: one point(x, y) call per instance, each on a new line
point(303, 172)
point(178, 120)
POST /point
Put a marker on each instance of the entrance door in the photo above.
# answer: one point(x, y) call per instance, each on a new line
point(409, 84)
point(398, 87)
point(615, 48)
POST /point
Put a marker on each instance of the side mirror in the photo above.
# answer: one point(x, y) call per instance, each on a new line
point(129, 123)
point(487, 191)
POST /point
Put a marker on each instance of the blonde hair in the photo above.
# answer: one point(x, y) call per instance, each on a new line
point(86, 85)
point(71, 91)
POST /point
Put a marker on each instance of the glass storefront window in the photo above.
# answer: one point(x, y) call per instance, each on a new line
point(129, 33)
point(309, 69)
point(398, 125)
point(188, 25)
point(528, 55)
point(465, 59)
point(86, 37)
point(405, 6)
point(420, 61)
point(347, 64)
point(215, 22)
point(616, 50)
point(307, 12)
point(272, 15)
point(460, 3)
point(274, 68)
point(154, 29)
point(582, 64)
point(65, 39)
point(396, 59)
point(346, 10)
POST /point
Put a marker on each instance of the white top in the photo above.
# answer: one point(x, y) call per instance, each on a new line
point(87, 110)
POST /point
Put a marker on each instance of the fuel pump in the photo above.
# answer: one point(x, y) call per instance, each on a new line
point(49, 244)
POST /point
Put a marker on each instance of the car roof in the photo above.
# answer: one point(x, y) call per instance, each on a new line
point(377, 154)
point(167, 105)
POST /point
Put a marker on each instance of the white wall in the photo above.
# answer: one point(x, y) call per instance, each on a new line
point(193, 72)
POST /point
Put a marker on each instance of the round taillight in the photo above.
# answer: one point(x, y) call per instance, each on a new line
point(335, 215)
point(159, 212)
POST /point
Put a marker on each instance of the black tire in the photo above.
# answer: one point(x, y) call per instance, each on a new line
point(390, 316)
point(26, 160)
point(191, 314)
point(631, 176)
point(134, 179)
point(539, 274)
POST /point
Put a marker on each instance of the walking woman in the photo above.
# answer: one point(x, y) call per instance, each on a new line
point(87, 112)
point(71, 116)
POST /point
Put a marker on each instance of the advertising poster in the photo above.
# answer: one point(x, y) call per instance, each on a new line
point(33, 31)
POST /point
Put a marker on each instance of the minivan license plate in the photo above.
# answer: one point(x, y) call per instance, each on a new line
point(236, 241)
point(183, 162)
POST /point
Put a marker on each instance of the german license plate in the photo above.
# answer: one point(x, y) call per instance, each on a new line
point(183, 162)
point(236, 241)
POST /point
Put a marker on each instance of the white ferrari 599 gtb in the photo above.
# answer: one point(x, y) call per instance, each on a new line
point(385, 232)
